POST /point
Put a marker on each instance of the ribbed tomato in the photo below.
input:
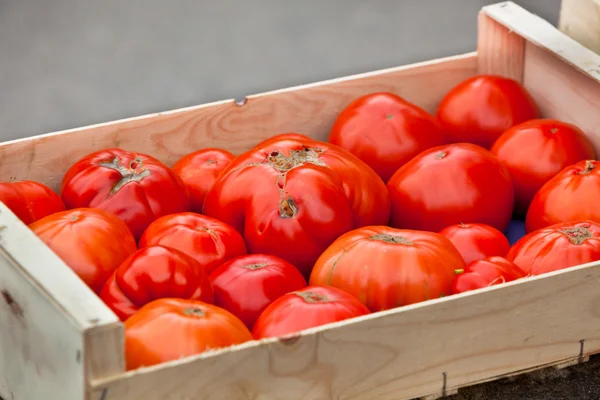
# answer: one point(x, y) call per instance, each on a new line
point(152, 273)
point(29, 200)
point(385, 267)
point(170, 329)
point(486, 272)
point(92, 242)
point(306, 308)
point(476, 241)
point(292, 196)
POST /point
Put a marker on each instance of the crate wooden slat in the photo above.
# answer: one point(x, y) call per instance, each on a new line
point(580, 19)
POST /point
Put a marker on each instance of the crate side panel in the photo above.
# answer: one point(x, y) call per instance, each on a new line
point(500, 51)
point(309, 109)
point(400, 354)
point(580, 19)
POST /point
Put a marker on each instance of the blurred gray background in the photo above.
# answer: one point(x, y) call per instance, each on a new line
point(69, 63)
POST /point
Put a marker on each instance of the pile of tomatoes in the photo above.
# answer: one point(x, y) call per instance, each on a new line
point(398, 206)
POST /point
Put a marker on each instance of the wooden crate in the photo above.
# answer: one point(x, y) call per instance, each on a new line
point(59, 341)
point(580, 19)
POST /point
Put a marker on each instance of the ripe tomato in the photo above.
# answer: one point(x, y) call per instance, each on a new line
point(246, 285)
point(385, 131)
point(536, 150)
point(487, 272)
point(207, 240)
point(292, 196)
point(92, 242)
point(476, 241)
point(556, 247)
point(569, 196)
point(169, 329)
point(152, 273)
point(199, 170)
point(29, 200)
point(385, 267)
point(135, 187)
point(306, 308)
point(451, 184)
point(479, 109)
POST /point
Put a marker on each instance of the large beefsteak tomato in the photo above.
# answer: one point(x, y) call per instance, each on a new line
point(135, 187)
point(385, 131)
point(92, 242)
point(385, 267)
point(30, 200)
point(292, 196)
point(476, 241)
point(487, 272)
point(451, 184)
point(152, 273)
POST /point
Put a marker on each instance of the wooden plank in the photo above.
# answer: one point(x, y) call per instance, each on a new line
point(397, 354)
point(580, 19)
point(309, 109)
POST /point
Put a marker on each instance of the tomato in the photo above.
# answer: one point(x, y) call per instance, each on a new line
point(207, 240)
point(450, 184)
point(569, 196)
point(385, 267)
point(486, 272)
point(92, 242)
point(556, 247)
point(476, 241)
point(479, 109)
point(169, 329)
point(385, 131)
point(199, 170)
point(152, 273)
point(246, 285)
point(292, 196)
point(535, 151)
point(29, 200)
point(135, 187)
point(306, 308)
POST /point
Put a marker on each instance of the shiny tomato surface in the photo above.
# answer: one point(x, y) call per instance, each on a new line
point(476, 241)
point(29, 200)
point(135, 187)
point(152, 273)
point(486, 272)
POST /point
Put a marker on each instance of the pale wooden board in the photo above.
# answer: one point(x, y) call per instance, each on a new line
point(580, 19)
point(309, 109)
point(399, 354)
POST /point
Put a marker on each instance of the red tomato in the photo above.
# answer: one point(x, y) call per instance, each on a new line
point(199, 170)
point(29, 200)
point(479, 109)
point(152, 273)
point(306, 308)
point(385, 267)
point(536, 150)
point(135, 187)
point(207, 240)
point(92, 242)
point(246, 285)
point(570, 195)
point(385, 131)
point(450, 184)
point(292, 196)
point(476, 241)
point(487, 272)
point(169, 329)
point(557, 247)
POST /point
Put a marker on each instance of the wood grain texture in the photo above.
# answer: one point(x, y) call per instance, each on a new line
point(309, 109)
point(398, 354)
point(580, 19)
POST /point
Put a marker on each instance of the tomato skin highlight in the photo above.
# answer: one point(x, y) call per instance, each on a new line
point(484, 273)
point(135, 187)
point(476, 241)
point(247, 284)
point(169, 329)
point(29, 200)
point(306, 308)
point(152, 273)
point(557, 247)
point(92, 242)
point(479, 109)
point(450, 184)
point(386, 268)
point(537, 150)
point(385, 131)
point(199, 170)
